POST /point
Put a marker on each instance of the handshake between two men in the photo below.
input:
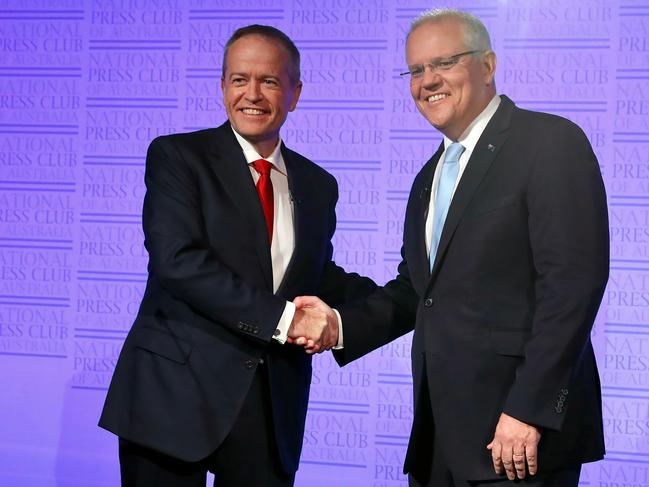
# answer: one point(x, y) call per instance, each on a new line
point(315, 325)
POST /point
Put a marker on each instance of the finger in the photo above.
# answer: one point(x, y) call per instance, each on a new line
point(305, 301)
point(302, 341)
point(508, 463)
point(314, 349)
point(300, 301)
point(532, 459)
point(496, 450)
point(519, 463)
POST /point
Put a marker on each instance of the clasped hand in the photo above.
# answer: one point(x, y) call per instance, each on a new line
point(314, 326)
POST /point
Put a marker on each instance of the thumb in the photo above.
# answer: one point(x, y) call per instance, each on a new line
point(490, 445)
point(305, 301)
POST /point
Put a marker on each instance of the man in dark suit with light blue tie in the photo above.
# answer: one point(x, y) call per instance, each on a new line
point(504, 264)
point(236, 225)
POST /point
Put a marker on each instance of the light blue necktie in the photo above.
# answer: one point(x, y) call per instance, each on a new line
point(447, 178)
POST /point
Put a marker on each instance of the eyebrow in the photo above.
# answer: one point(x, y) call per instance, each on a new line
point(438, 58)
point(247, 75)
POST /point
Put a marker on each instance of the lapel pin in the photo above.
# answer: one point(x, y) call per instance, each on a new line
point(491, 147)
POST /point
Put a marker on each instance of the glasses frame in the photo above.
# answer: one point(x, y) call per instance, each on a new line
point(442, 64)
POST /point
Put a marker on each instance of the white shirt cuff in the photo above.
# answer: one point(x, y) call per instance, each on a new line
point(340, 331)
point(281, 332)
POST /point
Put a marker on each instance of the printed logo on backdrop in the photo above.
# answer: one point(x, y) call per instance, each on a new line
point(135, 64)
point(626, 302)
point(84, 90)
point(340, 119)
point(40, 82)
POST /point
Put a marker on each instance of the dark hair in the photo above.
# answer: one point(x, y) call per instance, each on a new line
point(273, 34)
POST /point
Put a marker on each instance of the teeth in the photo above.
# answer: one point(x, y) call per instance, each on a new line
point(252, 111)
point(436, 97)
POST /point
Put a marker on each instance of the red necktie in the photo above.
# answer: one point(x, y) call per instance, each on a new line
point(265, 191)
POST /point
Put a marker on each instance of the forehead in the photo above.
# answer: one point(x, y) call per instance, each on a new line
point(257, 50)
point(435, 39)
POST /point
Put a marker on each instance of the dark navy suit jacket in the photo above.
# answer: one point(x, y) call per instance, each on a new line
point(208, 313)
point(503, 322)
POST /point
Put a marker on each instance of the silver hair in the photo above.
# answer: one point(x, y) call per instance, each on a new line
point(476, 35)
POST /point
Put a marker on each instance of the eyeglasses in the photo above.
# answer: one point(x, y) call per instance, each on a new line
point(444, 64)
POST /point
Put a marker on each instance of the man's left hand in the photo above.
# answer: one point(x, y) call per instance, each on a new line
point(514, 447)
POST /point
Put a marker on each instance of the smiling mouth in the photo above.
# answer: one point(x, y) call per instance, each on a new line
point(252, 111)
point(437, 97)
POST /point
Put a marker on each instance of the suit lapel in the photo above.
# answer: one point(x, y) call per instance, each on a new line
point(419, 266)
point(232, 169)
point(296, 186)
point(486, 150)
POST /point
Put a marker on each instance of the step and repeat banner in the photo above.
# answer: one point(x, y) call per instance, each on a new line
point(86, 85)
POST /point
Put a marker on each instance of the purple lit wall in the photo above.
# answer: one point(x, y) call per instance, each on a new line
point(85, 85)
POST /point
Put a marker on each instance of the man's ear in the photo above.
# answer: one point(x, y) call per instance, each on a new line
point(489, 66)
point(296, 96)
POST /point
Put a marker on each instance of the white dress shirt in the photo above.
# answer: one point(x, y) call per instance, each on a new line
point(283, 242)
point(468, 139)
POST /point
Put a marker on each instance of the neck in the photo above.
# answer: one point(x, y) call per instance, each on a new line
point(265, 147)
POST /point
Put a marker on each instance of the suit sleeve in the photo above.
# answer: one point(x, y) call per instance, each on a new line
point(180, 256)
point(568, 233)
point(388, 313)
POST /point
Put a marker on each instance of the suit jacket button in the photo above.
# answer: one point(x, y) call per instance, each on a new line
point(428, 302)
point(250, 364)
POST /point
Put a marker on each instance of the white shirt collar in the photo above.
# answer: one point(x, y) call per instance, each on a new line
point(470, 136)
point(251, 155)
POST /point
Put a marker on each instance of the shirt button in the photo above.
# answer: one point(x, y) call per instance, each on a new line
point(428, 302)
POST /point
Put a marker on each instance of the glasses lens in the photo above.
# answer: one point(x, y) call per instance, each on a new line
point(416, 71)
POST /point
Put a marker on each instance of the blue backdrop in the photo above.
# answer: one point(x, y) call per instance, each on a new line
point(85, 85)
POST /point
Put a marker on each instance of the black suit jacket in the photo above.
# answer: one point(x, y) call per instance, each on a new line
point(208, 313)
point(503, 323)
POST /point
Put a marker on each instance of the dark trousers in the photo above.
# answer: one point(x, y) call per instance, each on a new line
point(562, 478)
point(247, 457)
point(441, 476)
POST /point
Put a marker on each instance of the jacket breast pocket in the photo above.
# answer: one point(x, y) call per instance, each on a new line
point(510, 342)
point(161, 343)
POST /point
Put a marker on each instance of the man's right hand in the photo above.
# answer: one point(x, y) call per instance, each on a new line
point(314, 326)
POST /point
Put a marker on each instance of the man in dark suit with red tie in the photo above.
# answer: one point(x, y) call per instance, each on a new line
point(505, 260)
point(236, 225)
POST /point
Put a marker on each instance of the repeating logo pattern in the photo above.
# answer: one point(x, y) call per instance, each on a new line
point(85, 85)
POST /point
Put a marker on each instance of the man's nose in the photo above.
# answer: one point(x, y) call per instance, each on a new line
point(430, 78)
point(253, 91)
